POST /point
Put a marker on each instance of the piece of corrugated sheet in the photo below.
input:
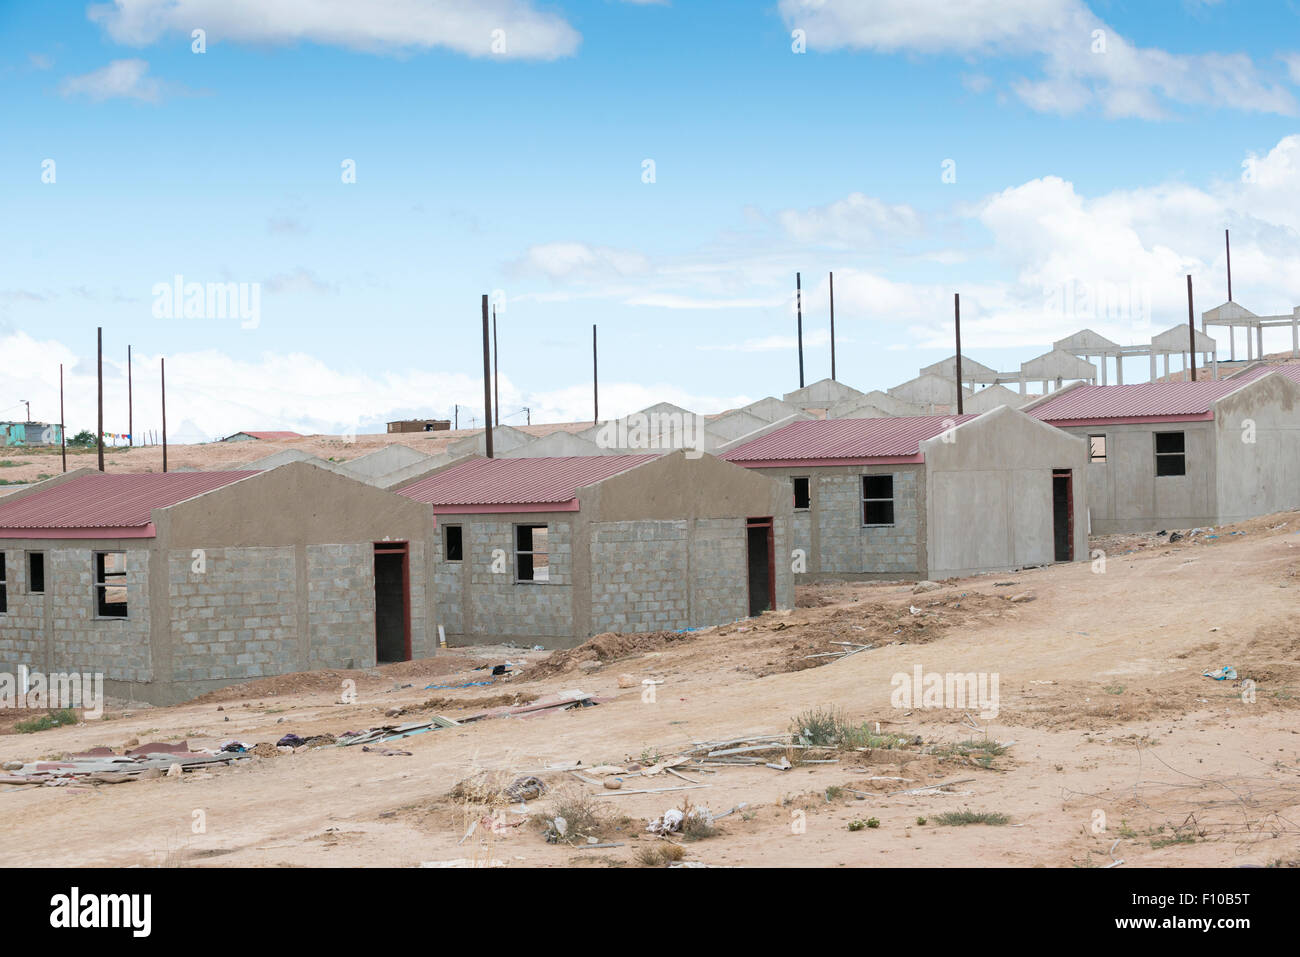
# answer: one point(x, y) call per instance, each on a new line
point(846, 438)
point(482, 481)
point(110, 500)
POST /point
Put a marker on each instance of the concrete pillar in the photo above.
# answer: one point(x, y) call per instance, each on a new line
point(1166, 359)
point(1214, 361)
point(1295, 336)
point(1104, 359)
point(1260, 338)
point(1119, 369)
point(1232, 343)
point(1022, 383)
point(1154, 376)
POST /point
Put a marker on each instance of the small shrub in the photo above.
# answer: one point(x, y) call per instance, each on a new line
point(959, 818)
point(54, 719)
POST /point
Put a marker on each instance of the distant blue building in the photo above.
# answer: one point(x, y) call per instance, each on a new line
point(30, 433)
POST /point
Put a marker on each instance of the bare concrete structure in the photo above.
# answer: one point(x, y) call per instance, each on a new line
point(927, 496)
point(171, 585)
point(1233, 316)
point(822, 394)
point(552, 551)
point(929, 393)
point(1168, 455)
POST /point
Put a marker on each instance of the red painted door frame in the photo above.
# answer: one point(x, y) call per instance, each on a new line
point(403, 549)
point(764, 522)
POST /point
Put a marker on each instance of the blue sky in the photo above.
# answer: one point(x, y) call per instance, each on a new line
point(519, 172)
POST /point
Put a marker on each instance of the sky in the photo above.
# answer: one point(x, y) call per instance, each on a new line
point(363, 173)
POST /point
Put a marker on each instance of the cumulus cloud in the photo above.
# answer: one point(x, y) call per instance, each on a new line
point(469, 27)
point(579, 261)
point(121, 79)
point(1083, 60)
point(856, 220)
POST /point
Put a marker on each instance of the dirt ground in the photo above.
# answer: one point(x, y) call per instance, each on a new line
point(1115, 745)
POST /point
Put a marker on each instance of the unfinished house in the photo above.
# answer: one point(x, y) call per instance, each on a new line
point(927, 496)
point(173, 584)
point(553, 551)
point(1169, 455)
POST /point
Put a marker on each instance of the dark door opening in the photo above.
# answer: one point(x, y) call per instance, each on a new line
point(392, 603)
point(1063, 514)
point(761, 577)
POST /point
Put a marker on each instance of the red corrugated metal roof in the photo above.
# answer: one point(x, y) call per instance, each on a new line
point(541, 481)
point(102, 501)
point(841, 439)
point(1147, 400)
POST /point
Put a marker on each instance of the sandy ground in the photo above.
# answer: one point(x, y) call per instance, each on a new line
point(1120, 745)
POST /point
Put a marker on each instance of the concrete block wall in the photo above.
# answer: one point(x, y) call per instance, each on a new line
point(640, 576)
point(424, 634)
point(502, 607)
point(117, 647)
point(341, 605)
point(848, 547)
point(235, 619)
point(448, 578)
point(719, 571)
point(22, 627)
point(783, 546)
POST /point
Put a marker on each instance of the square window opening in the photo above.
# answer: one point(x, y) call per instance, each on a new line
point(801, 494)
point(1171, 455)
point(532, 561)
point(453, 549)
point(110, 584)
point(877, 500)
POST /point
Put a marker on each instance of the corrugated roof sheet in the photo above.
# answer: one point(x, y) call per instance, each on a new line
point(109, 500)
point(1147, 399)
point(846, 438)
point(540, 481)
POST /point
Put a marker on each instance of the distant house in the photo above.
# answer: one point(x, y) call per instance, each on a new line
point(30, 434)
point(926, 496)
point(420, 425)
point(1166, 455)
point(260, 436)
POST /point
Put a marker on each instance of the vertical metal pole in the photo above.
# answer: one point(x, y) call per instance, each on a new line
point(63, 428)
point(487, 382)
point(798, 305)
point(832, 327)
point(1191, 329)
point(130, 403)
point(162, 366)
point(595, 379)
point(1227, 248)
point(99, 363)
point(496, 368)
point(956, 305)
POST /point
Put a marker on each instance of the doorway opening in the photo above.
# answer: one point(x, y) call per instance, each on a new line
point(392, 602)
point(762, 565)
point(1063, 514)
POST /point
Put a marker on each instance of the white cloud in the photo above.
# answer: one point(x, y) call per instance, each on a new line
point(579, 261)
point(121, 79)
point(812, 338)
point(852, 221)
point(374, 26)
point(1083, 59)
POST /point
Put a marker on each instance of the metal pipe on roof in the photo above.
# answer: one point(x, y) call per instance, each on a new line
point(595, 381)
point(487, 381)
point(832, 275)
point(99, 365)
point(1191, 329)
point(956, 305)
point(496, 369)
point(130, 403)
point(162, 366)
point(63, 428)
point(798, 306)
point(1227, 249)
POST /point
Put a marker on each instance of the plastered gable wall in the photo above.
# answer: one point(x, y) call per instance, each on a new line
point(1257, 438)
point(990, 493)
point(1124, 493)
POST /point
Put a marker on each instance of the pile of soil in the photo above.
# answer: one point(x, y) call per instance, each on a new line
point(607, 647)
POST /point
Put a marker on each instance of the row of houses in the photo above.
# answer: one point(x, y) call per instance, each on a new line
point(174, 584)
